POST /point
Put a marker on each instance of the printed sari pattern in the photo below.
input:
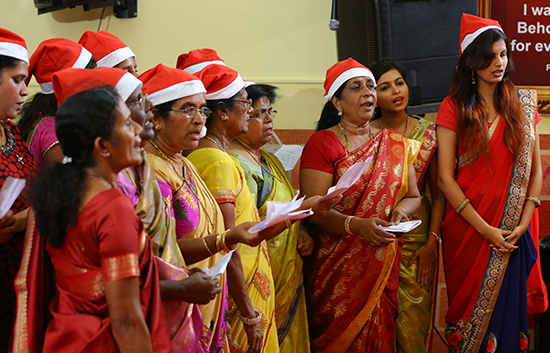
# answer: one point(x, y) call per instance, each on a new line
point(415, 321)
point(213, 331)
point(226, 181)
point(286, 262)
point(351, 286)
point(476, 275)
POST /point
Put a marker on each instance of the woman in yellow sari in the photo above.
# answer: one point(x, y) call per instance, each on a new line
point(418, 274)
point(268, 181)
point(254, 330)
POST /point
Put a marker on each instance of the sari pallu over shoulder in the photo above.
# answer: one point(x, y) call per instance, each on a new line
point(496, 186)
point(192, 327)
point(352, 287)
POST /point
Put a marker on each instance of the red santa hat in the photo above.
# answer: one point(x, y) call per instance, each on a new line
point(221, 82)
point(164, 84)
point(70, 81)
point(107, 49)
point(54, 55)
point(13, 45)
point(472, 26)
point(342, 71)
point(198, 59)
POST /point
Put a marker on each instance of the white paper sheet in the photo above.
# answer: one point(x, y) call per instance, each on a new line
point(403, 227)
point(279, 211)
point(10, 190)
point(219, 267)
point(289, 155)
point(349, 178)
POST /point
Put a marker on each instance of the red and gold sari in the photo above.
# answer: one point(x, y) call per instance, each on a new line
point(106, 243)
point(477, 276)
point(351, 287)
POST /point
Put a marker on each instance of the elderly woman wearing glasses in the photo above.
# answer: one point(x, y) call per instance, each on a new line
point(252, 311)
point(181, 215)
point(267, 181)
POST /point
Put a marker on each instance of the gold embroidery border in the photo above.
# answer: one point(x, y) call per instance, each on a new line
point(120, 267)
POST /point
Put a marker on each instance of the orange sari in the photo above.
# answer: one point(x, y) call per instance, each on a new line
point(351, 287)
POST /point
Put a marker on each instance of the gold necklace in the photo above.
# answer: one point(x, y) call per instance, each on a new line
point(190, 186)
point(406, 125)
point(214, 141)
point(343, 132)
point(257, 161)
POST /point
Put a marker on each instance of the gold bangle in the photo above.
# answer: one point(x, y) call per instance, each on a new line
point(288, 223)
point(463, 204)
point(535, 200)
point(218, 242)
point(207, 248)
point(224, 245)
point(437, 237)
point(347, 223)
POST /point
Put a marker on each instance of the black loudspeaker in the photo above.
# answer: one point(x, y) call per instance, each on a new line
point(121, 8)
point(420, 34)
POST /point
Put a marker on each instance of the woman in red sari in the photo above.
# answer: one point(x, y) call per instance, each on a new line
point(490, 172)
point(351, 278)
point(108, 296)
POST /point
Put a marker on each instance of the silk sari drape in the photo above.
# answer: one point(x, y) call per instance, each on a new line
point(477, 276)
point(351, 287)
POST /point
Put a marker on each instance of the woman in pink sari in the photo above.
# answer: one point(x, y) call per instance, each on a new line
point(351, 278)
point(490, 172)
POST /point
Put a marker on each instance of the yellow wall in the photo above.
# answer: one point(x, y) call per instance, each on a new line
point(284, 42)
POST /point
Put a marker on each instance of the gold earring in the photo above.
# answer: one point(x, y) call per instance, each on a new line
point(157, 127)
point(473, 77)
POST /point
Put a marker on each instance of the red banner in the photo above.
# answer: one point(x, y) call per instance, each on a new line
point(527, 26)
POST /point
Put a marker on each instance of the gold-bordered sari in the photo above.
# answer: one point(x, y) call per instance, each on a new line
point(474, 273)
point(351, 287)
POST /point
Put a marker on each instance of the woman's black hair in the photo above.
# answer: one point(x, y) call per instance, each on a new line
point(7, 62)
point(257, 91)
point(220, 104)
point(329, 115)
point(40, 105)
point(379, 68)
point(57, 191)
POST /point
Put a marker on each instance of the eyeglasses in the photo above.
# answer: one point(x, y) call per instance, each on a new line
point(264, 114)
point(191, 111)
point(246, 103)
point(144, 103)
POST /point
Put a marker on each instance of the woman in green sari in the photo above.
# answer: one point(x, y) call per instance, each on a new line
point(418, 274)
point(267, 181)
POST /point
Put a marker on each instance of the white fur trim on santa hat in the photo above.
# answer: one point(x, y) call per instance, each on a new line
point(127, 85)
point(116, 57)
point(198, 67)
point(80, 63)
point(14, 51)
point(83, 59)
point(46, 87)
point(346, 75)
point(469, 38)
point(229, 91)
point(177, 91)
